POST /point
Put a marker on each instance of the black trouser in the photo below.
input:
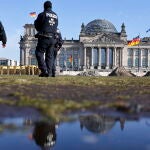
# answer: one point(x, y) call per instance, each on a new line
point(45, 46)
point(54, 62)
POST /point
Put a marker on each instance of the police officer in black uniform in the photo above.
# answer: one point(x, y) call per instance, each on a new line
point(46, 25)
point(3, 37)
point(57, 47)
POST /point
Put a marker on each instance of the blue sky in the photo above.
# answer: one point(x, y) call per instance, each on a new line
point(14, 14)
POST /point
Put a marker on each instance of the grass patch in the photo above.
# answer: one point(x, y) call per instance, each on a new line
point(77, 80)
point(122, 88)
point(53, 109)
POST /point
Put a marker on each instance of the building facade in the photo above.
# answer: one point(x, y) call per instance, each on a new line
point(7, 62)
point(100, 46)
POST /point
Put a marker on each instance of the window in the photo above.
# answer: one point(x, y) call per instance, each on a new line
point(103, 57)
point(32, 52)
point(144, 58)
point(145, 52)
point(144, 62)
point(137, 52)
point(136, 62)
point(130, 52)
point(33, 61)
point(130, 58)
point(95, 57)
point(110, 57)
point(4, 62)
point(130, 62)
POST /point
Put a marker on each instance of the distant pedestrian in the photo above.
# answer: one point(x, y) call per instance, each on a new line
point(57, 47)
point(46, 25)
point(2, 35)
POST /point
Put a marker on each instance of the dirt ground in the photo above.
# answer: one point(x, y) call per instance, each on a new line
point(138, 94)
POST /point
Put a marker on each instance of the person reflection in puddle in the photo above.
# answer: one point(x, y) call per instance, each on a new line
point(44, 134)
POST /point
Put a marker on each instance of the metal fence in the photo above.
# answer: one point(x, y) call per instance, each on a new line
point(19, 70)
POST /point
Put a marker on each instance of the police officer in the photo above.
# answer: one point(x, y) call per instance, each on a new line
point(3, 37)
point(46, 25)
point(57, 47)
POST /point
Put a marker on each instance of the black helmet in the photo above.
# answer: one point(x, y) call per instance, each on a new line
point(47, 5)
point(44, 134)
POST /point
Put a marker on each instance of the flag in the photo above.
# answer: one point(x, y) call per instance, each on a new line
point(32, 14)
point(70, 59)
point(134, 41)
point(148, 30)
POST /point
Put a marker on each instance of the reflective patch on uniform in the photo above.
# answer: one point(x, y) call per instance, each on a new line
point(51, 15)
point(51, 21)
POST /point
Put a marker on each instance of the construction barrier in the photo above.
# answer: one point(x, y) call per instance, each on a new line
point(19, 70)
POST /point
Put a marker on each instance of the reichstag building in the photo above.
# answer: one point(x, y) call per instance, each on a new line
point(100, 46)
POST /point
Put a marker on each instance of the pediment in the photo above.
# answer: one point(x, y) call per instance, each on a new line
point(102, 38)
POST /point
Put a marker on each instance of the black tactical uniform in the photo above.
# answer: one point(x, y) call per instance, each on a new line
point(2, 35)
point(46, 25)
point(57, 47)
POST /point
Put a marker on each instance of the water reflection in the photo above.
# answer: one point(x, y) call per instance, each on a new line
point(13, 125)
point(44, 134)
point(82, 131)
point(100, 123)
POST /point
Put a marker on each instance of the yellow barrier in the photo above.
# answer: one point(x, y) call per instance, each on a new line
point(19, 70)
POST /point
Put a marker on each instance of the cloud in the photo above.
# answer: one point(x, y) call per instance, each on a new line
point(90, 139)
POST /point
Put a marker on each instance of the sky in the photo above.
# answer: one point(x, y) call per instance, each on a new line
point(14, 14)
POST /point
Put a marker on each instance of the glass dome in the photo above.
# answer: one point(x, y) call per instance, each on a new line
point(97, 26)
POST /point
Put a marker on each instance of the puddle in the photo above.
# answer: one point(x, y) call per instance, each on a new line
point(82, 132)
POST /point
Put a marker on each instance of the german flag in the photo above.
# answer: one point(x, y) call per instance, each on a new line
point(32, 14)
point(135, 41)
point(70, 59)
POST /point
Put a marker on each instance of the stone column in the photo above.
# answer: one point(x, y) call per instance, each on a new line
point(26, 60)
point(65, 58)
point(148, 58)
point(79, 56)
point(133, 57)
point(92, 66)
point(21, 56)
point(114, 57)
point(107, 58)
point(121, 57)
point(25, 56)
point(99, 58)
point(84, 67)
point(140, 59)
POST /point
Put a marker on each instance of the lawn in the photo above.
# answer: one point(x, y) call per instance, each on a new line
point(54, 96)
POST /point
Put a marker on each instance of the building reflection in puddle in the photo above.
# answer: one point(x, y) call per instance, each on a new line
point(79, 131)
point(100, 123)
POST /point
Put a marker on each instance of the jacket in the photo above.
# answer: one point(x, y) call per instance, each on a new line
point(2, 34)
point(46, 22)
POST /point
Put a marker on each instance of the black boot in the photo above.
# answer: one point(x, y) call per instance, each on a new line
point(43, 74)
point(53, 73)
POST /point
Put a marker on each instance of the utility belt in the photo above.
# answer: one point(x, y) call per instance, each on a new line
point(47, 35)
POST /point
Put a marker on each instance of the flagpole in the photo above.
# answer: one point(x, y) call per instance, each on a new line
point(138, 58)
point(139, 55)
